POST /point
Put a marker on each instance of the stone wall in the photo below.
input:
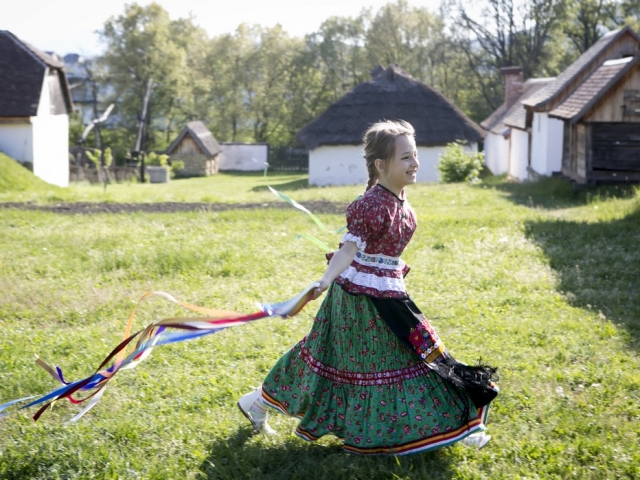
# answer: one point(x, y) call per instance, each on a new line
point(196, 165)
point(116, 174)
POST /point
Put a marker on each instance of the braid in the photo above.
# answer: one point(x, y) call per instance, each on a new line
point(373, 175)
point(379, 142)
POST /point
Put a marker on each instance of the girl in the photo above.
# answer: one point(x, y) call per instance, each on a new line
point(372, 371)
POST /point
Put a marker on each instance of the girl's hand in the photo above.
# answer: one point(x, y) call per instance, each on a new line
point(319, 290)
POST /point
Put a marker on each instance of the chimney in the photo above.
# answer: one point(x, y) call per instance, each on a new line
point(514, 84)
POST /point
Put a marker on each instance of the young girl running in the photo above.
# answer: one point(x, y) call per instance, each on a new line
point(372, 371)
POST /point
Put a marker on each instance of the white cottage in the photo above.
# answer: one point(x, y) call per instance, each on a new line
point(35, 105)
point(506, 144)
point(334, 138)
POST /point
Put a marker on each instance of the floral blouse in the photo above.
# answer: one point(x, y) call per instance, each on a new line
point(381, 225)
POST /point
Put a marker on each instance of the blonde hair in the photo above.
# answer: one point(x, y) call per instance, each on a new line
point(379, 141)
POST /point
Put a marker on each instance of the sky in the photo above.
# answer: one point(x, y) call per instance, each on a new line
point(69, 26)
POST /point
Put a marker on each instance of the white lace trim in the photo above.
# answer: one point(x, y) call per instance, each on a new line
point(370, 280)
point(350, 237)
point(379, 260)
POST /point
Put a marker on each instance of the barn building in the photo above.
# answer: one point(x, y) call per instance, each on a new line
point(198, 149)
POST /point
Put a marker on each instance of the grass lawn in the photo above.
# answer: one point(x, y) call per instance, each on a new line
point(535, 279)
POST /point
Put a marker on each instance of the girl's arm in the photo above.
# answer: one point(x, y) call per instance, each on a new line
point(338, 264)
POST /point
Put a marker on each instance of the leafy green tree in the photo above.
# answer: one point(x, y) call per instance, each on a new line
point(506, 33)
point(141, 44)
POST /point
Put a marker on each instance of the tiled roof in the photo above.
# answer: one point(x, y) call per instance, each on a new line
point(201, 135)
point(495, 122)
point(592, 89)
point(517, 115)
point(568, 75)
point(22, 70)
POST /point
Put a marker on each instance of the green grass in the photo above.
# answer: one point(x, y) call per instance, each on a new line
point(536, 279)
point(16, 178)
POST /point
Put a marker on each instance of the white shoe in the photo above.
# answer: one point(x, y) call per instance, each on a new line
point(256, 412)
point(478, 440)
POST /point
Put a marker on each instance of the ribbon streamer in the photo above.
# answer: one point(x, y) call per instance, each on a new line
point(162, 332)
point(318, 222)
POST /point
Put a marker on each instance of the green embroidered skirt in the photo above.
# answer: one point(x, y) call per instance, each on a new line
point(352, 377)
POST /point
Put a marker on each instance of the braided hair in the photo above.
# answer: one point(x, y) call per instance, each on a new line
point(379, 142)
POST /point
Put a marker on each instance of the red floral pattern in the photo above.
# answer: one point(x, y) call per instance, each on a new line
point(385, 224)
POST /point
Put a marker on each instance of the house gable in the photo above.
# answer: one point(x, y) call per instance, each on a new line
point(195, 138)
point(615, 44)
point(22, 76)
point(595, 96)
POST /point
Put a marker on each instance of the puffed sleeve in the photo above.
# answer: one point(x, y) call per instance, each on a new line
point(364, 220)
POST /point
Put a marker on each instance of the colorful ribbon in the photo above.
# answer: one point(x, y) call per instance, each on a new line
point(168, 330)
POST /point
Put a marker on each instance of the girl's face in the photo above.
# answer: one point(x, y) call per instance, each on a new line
point(402, 169)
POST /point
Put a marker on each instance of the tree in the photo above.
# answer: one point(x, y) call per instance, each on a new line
point(141, 44)
point(587, 21)
point(506, 33)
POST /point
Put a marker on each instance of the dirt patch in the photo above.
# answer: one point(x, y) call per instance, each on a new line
point(88, 208)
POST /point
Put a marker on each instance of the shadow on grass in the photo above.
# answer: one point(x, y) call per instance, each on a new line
point(299, 184)
point(239, 457)
point(554, 192)
point(598, 265)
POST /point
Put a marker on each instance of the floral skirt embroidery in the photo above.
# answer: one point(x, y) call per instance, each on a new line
point(352, 377)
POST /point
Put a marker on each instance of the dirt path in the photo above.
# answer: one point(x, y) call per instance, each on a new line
point(87, 208)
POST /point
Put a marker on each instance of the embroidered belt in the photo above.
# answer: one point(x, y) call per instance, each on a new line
point(378, 260)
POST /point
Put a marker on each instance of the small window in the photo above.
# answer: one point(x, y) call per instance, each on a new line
point(631, 105)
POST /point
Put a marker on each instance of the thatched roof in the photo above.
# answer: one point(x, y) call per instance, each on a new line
point(391, 94)
point(22, 71)
point(201, 135)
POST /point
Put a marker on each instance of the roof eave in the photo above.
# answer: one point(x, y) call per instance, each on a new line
point(610, 84)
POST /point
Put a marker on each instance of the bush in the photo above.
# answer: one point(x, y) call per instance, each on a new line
point(163, 160)
point(456, 165)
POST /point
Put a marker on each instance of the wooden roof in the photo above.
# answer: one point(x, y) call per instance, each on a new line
point(593, 88)
point(22, 71)
point(201, 135)
point(391, 94)
point(584, 63)
point(516, 114)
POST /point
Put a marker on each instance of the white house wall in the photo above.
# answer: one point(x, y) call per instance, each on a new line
point(519, 155)
point(546, 144)
point(16, 141)
point(51, 149)
point(344, 164)
point(245, 157)
point(337, 165)
point(496, 153)
point(49, 141)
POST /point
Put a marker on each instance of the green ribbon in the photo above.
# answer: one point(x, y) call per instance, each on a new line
point(318, 222)
point(318, 243)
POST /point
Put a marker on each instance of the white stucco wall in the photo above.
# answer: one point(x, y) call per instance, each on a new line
point(546, 144)
point(337, 165)
point(51, 148)
point(519, 155)
point(344, 164)
point(16, 141)
point(496, 153)
point(243, 156)
point(42, 140)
